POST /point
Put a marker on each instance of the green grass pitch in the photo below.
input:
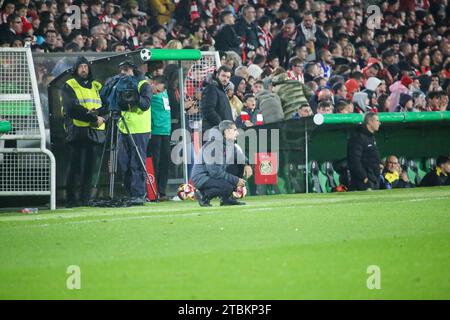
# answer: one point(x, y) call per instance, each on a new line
point(276, 247)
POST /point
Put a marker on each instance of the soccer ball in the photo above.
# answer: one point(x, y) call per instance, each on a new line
point(186, 191)
point(146, 55)
point(240, 192)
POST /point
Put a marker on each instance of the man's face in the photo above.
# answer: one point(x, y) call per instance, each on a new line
point(161, 34)
point(308, 21)
point(446, 167)
point(327, 57)
point(79, 40)
point(325, 110)
point(374, 124)
point(290, 28)
point(83, 70)
point(120, 32)
point(126, 71)
point(257, 87)
point(392, 165)
point(342, 92)
point(302, 53)
point(305, 112)
point(17, 25)
point(50, 38)
point(250, 14)
point(372, 72)
point(224, 77)
point(231, 134)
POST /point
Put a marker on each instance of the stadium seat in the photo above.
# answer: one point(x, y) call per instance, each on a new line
point(419, 170)
point(318, 180)
point(331, 175)
point(430, 164)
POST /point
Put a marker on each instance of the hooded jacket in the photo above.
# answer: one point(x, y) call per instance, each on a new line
point(359, 99)
point(73, 110)
point(404, 98)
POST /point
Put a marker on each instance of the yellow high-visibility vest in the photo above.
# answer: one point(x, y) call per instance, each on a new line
point(88, 98)
point(138, 121)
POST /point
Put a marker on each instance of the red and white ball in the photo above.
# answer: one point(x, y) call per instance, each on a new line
point(186, 191)
point(240, 192)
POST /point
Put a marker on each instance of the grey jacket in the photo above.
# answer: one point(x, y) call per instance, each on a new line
point(212, 162)
point(270, 105)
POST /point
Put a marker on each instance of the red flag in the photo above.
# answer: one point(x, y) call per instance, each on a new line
point(149, 166)
point(266, 168)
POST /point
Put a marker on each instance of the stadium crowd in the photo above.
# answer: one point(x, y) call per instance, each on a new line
point(281, 59)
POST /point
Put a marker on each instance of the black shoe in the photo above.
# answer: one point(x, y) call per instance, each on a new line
point(137, 201)
point(203, 200)
point(231, 202)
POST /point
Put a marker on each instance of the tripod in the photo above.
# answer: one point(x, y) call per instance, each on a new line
point(113, 132)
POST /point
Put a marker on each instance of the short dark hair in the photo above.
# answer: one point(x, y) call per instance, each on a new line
point(442, 159)
point(369, 116)
point(325, 104)
point(248, 96)
point(224, 69)
point(225, 125)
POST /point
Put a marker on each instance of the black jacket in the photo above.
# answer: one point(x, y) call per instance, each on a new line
point(227, 39)
point(279, 48)
point(363, 160)
point(432, 179)
point(214, 105)
point(248, 34)
point(321, 38)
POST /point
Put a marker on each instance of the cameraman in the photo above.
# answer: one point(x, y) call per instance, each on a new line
point(137, 118)
point(85, 124)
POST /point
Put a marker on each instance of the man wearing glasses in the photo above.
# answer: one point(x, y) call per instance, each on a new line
point(14, 29)
point(393, 176)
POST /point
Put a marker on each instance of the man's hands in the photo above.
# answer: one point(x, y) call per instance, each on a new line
point(241, 183)
point(404, 176)
point(248, 172)
point(100, 121)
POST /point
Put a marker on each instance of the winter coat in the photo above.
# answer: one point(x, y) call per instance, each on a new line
point(363, 160)
point(291, 92)
point(209, 165)
point(73, 110)
point(435, 178)
point(227, 39)
point(214, 105)
point(270, 105)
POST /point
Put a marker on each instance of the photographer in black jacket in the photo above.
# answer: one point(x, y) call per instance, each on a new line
point(362, 155)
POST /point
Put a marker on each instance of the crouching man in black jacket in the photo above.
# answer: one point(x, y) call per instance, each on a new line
point(362, 155)
point(220, 167)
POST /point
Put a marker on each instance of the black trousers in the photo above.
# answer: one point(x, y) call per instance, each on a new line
point(221, 187)
point(129, 164)
point(82, 168)
point(160, 151)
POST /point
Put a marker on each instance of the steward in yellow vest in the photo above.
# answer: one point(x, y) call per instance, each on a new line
point(85, 125)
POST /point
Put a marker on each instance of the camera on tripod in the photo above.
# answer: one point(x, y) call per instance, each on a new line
point(121, 93)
